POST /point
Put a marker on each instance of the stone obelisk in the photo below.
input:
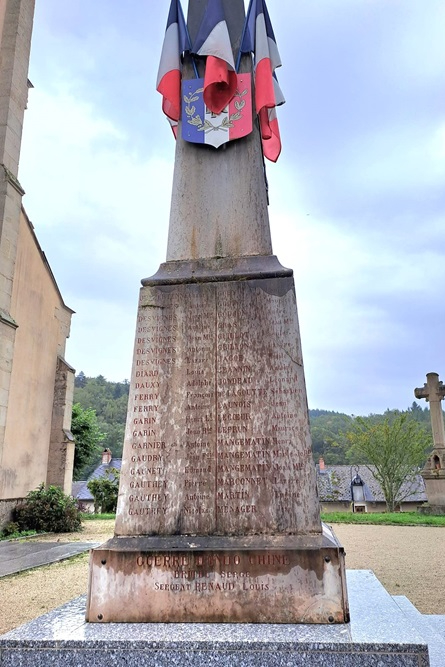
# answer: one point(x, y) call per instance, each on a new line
point(218, 516)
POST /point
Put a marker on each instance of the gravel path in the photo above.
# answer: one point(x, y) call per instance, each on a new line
point(407, 560)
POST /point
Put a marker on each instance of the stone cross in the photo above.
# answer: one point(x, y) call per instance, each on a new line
point(434, 392)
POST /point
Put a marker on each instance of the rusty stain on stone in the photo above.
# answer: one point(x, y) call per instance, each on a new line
point(218, 515)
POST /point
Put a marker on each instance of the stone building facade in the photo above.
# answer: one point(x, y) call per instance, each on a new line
point(36, 383)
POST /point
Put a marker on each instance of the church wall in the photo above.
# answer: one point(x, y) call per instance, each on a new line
point(43, 326)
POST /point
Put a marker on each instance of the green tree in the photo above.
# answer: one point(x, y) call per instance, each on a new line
point(393, 448)
point(109, 400)
point(105, 490)
point(87, 437)
point(80, 380)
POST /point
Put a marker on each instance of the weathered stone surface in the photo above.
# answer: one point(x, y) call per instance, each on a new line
point(267, 579)
point(433, 391)
point(433, 473)
point(217, 435)
point(218, 515)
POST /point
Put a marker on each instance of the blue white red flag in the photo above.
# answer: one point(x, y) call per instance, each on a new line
point(213, 41)
point(202, 126)
point(169, 74)
point(259, 38)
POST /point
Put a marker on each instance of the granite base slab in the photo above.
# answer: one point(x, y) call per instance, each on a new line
point(432, 629)
point(379, 635)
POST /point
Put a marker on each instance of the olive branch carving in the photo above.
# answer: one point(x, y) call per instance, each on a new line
point(205, 125)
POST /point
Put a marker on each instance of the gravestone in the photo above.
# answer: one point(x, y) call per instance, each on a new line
point(218, 515)
point(433, 473)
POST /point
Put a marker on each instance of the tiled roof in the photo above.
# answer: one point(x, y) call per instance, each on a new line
point(84, 493)
point(77, 486)
point(334, 484)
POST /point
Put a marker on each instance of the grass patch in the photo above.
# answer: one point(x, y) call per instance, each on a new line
point(86, 516)
point(17, 535)
point(386, 519)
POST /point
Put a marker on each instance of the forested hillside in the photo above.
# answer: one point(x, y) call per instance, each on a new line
point(109, 400)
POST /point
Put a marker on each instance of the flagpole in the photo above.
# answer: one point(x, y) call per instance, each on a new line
point(246, 23)
point(187, 34)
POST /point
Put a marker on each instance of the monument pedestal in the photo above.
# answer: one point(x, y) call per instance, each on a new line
point(218, 518)
point(379, 633)
point(252, 579)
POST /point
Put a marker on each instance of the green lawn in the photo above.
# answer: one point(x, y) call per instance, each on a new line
point(396, 519)
point(87, 516)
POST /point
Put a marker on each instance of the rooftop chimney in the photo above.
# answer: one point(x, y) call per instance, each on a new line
point(106, 456)
point(321, 465)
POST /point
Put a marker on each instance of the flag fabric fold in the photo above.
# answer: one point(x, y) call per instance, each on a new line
point(213, 41)
point(259, 39)
point(169, 73)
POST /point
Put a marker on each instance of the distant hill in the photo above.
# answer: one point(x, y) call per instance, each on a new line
point(109, 400)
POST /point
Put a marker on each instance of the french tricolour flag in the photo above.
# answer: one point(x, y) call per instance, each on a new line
point(169, 74)
point(260, 39)
point(213, 41)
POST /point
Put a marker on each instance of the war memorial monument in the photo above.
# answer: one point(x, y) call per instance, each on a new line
point(219, 556)
point(218, 516)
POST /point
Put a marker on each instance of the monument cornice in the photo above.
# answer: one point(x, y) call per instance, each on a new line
point(218, 269)
point(12, 180)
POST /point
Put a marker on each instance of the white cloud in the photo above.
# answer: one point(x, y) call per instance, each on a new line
point(101, 215)
point(356, 198)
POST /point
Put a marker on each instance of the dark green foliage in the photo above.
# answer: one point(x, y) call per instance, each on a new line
point(327, 431)
point(11, 528)
point(109, 401)
point(80, 380)
point(48, 510)
point(6, 533)
point(88, 438)
point(104, 491)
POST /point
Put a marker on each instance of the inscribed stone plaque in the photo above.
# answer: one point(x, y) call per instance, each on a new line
point(217, 439)
point(261, 579)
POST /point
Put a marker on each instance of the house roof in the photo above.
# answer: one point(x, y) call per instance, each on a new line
point(334, 484)
point(77, 487)
point(83, 493)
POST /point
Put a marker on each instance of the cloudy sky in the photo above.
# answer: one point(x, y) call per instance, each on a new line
point(357, 198)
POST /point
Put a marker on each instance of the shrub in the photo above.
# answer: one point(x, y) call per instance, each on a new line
point(48, 510)
point(10, 529)
point(105, 491)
